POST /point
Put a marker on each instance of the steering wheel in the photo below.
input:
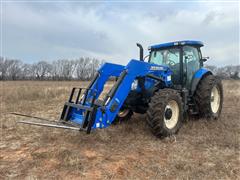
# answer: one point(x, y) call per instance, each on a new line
point(171, 62)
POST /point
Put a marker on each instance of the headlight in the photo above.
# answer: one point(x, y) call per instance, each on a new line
point(169, 78)
point(134, 85)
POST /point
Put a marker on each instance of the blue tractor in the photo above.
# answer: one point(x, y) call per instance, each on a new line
point(169, 85)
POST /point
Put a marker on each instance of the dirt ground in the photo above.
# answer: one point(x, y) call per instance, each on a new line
point(201, 150)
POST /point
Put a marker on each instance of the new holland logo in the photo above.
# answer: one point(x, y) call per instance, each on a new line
point(155, 68)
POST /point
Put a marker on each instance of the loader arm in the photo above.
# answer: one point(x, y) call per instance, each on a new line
point(90, 115)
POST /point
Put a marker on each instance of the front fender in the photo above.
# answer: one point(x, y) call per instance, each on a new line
point(197, 77)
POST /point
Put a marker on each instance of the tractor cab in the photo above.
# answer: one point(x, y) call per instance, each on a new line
point(184, 58)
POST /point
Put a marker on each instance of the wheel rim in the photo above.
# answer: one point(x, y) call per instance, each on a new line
point(172, 119)
point(123, 113)
point(215, 99)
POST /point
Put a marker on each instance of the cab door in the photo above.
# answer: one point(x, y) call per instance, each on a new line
point(191, 63)
point(169, 57)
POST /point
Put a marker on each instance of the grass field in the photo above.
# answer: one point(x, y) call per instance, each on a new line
point(201, 150)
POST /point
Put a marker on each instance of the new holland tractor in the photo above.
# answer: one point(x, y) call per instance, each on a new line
point(171, 84)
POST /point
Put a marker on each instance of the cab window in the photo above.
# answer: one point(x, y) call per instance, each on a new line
point(191, 62)
point(168, 57)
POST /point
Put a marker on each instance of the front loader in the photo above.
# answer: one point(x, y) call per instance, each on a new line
point(169, 85)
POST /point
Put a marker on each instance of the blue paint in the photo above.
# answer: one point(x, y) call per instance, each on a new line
point(199, 74)
point(176, 43)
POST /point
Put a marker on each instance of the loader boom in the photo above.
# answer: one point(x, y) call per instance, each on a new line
point(91, 115)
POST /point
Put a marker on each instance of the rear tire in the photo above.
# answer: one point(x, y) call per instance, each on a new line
point(165, 113)
point(209, 97)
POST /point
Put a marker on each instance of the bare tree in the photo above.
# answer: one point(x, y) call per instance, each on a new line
point(81, 68)
point(4, 66)
point(27, 72)
point(14, 69)
point(68, 67)
point(93, 67)
point(63, 69)
point(41, 69)
point(212, 68)
point(228, 71)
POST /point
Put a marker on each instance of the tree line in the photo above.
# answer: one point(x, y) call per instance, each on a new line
point(83, 68)
point(226, 72)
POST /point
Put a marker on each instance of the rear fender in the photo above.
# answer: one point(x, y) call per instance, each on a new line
point(201, 73)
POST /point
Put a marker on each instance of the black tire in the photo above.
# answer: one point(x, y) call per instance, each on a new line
point(156, 114)
point(203, 97)
point(120, 119)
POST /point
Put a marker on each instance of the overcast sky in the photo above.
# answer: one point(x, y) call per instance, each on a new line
point(109, 31)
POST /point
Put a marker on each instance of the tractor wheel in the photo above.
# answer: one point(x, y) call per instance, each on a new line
point(123, 115)
point(209, 97)
point(165, 113)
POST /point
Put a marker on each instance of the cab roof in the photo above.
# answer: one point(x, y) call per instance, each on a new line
point(176, 43)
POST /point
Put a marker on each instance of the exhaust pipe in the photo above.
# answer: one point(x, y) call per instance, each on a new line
point(141, 51)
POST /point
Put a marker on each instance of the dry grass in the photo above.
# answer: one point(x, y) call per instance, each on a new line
point(201, 150)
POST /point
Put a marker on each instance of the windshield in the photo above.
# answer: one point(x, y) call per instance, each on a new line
point(169, 57)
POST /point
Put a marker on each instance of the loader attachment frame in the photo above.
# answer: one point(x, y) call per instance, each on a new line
point(84, 104)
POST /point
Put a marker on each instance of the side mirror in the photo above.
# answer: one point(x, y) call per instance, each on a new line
point(204, 59)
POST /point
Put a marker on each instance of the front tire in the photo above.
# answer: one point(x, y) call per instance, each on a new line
point(123, 115)
point(165, 113)
point(209, 97)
